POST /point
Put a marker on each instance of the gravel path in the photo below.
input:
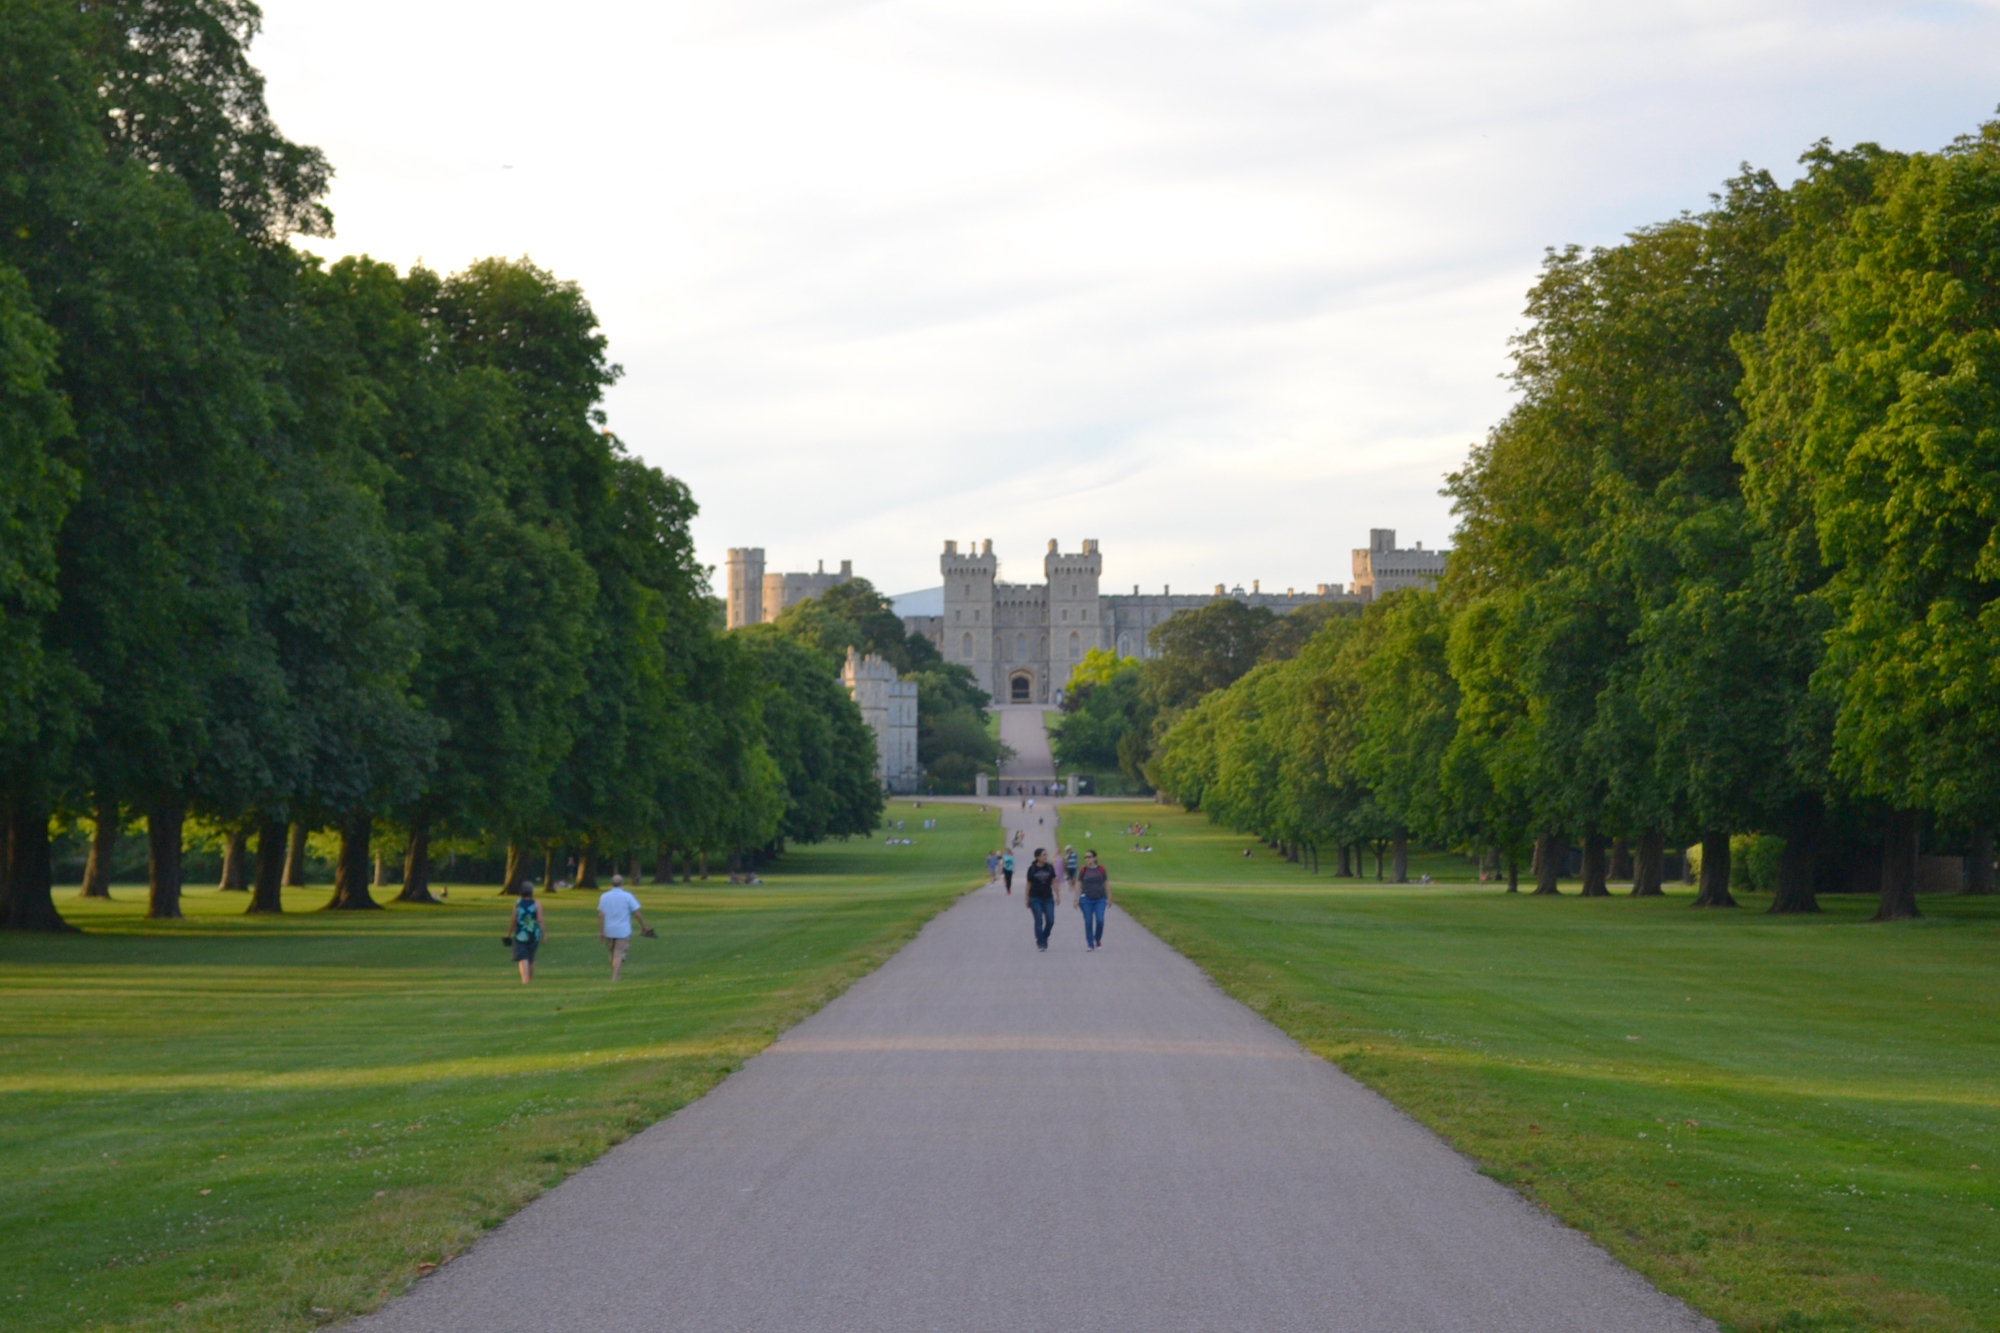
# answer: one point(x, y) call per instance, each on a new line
point(980, 1137)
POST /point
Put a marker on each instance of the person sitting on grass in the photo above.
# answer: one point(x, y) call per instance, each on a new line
point(526, 936)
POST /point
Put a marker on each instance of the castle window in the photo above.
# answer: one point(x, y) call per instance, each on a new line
point(965, 647)
point(1075, 644)
point(1124, 646)
point(1065, 615)
point(1020, 648)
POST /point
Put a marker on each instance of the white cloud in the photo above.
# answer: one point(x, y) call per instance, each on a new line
point(1222, 285)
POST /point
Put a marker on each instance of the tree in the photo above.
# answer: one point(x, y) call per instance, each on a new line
point(814, 732)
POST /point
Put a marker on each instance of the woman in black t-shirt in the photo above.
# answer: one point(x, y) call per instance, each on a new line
point(1042, 897)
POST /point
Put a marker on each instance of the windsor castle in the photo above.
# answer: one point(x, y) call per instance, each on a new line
point(1021, 640)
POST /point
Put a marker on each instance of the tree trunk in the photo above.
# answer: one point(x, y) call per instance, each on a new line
point(1798, 863)
point(266, 894)
point(548, 867)
point(1346, 870)
point(163, 870)
point(1513, 873)
point(1714, 871)
point(704, 864)
point(350, 872)
point(586, 867)
point(663, 867)
point(30, 902)
point(1621, 860)
point(1899, 869)
point(235, 860)
point(1550, 852)
point(511, 880)
point(295, 858)
point(381, 876)
point(1649, 864)
point(1979, 865)
point(417, 864)
point(103, 844)
point(1596, 868)
point(1399, 860)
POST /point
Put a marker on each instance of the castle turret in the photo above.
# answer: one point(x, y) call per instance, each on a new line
point(968, 610)
point(746, 585)
point(1075, 615)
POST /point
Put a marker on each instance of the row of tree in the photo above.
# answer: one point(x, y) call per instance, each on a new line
point(293, 545)
point(1731, 564)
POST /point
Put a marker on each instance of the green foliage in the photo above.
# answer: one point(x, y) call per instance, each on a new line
point(814, 733)
point(952, 742)
point(285, 541)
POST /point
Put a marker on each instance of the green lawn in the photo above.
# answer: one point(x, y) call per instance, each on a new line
point(1790, 1122)
point(231, 1123)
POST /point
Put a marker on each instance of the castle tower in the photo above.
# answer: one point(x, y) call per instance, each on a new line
point(1076, 622)
point(746, 586)
point(968, 610)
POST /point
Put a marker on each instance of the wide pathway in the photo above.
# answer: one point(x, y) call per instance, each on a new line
point(982, 1138)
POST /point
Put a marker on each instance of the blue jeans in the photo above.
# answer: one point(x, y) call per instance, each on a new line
point(1093, 921)
point(1044, 910)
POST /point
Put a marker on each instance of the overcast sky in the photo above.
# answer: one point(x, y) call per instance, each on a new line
point(1222, 285)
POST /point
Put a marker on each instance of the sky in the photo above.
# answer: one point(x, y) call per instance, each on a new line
point(1223, 286)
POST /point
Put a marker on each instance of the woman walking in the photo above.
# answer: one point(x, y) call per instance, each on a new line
point(1042, 897)
point(1096, 893)
point(527, 933)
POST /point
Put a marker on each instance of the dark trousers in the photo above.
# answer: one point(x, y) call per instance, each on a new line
point(1093, 921)
point(1010, 880)
point(1044, 910)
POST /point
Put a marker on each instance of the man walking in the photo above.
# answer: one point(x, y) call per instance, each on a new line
point(616, 911)
point(1042, 897)
point(1007, 869)
point(1096, 893)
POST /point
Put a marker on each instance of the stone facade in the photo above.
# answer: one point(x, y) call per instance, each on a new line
point(889, 707)
point(756, 597)
point(1022, 640)
point(1383, 569)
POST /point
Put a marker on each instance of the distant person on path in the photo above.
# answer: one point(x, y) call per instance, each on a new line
point(1007, 869)
point(616, 911)
point(1096, 893)
point(1069, 869)
point(526, 936)
point(992, 866)
point(1042, 897)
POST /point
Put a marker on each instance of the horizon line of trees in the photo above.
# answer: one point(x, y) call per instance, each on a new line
point(1729, 566)
point(288, 545)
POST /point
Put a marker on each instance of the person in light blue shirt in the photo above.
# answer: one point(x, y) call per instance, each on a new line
point(617, 910)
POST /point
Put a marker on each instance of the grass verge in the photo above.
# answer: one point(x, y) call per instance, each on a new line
point(234, 1123)
point(1787, 1121)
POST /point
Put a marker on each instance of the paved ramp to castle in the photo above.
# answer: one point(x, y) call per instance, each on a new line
point(984, 1139)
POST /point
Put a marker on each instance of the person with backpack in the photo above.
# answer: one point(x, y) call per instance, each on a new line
point(1095, 895)
point(1007, 870)
point(1042, 897)
point(527, 931)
